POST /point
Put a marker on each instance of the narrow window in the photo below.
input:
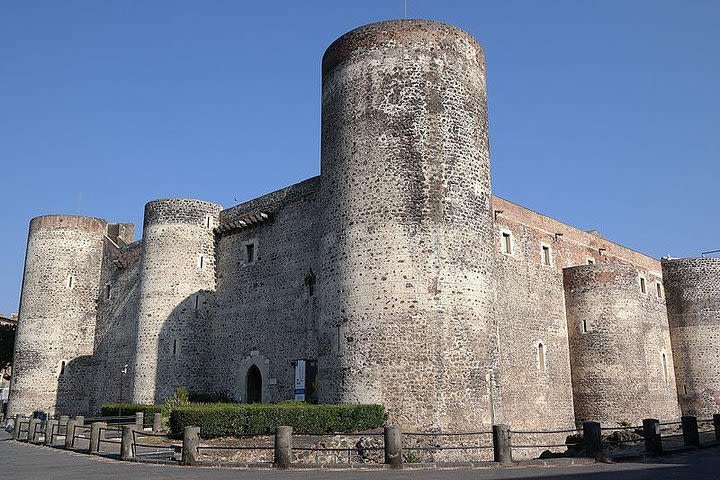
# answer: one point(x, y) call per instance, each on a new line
point(201, 262)
point(584, 326)
point(197, 302)
point(208, 221)
point(507, 243)
point(665, 369)
point(174, 349)
point(684, 389)
point(546, 255)
point(658, 287)
point(62, 368)
point(541, 357)
point(107, 292)
point(250, 253)
point(71, 281)
point(643, 288)
point(591, 261)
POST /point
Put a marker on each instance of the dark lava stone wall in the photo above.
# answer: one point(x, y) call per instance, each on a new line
point(692, 286)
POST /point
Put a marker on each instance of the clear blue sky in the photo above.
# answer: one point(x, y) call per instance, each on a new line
point(603, 114)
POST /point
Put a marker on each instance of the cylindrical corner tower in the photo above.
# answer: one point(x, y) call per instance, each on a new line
point(406, 247)
point(692, 287)
point(55, 335)
point(177, 272)
point(620, 354)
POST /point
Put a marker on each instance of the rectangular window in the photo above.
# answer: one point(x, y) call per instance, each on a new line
point(201, 262)
point(174, 347)
point(546, 259)
point(658, 287)
point(643, 288)
point(584, 326)
point(507, 243)
point(71, 281)
point(107, 292)
point(250, 253)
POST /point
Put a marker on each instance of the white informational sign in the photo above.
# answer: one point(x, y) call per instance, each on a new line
point(300, 380)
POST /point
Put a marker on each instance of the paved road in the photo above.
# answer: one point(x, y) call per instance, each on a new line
point(23, 461)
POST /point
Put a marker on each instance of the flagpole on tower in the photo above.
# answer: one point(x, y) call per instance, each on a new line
point(405, 8)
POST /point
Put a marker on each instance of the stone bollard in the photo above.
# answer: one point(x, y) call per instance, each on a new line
point(651, 432)
point(96, 435)
point(16, 427)
point(691, 436)
point(191, 441)
point(393, 446)
point(50, 425)
point(70, 433)
point(139, 421)
point(32, 429)
point(283, 447)
point(593, 439)
point(127, 451)
point(716, 424)
point(502, 447)
point(157, 422)
point(62, 425)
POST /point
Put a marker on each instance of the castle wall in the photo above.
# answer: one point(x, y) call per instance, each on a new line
point(266, 311)
point(177, 277)
point(405, 279)
point(52, 366)
point(620, 350)
point(116, 328)
point(692, 286)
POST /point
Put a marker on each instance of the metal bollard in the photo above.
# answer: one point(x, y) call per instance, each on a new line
point(16, 427)
point(593, 440)
point(191, 441)
point(283, 447)
point(50, 425)
point(127, 452)
point(502, 446)
point(139, 421)
point(691, 436)
point(70, 433)
point(32, 429)
point(95, 436)
point(651, 432)
point(393, 446)
point(157, 422)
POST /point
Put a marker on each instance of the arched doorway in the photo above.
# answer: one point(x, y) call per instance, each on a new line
point(254, 385)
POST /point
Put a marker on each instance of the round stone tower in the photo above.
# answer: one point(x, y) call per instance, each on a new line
point(177, 272)
point(620, 352)
point(692, 287)
point(406, 243)
point(55, 334)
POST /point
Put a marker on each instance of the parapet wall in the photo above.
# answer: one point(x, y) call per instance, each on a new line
point(692, 286)
point(620, 351)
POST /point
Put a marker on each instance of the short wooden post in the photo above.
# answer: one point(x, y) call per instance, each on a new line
point(32, 429)
point(139, 421)
point(157, 422)
point(70, 433)
point(96, 435)
point(691, 436)
point(651, 432)
point(593, 439)
point(191, 441)
point(502, 446)
point(127, 450)
point(393, 446)
point(16, 427)
point(716, 424)
point(283, 447)
point(51, 427)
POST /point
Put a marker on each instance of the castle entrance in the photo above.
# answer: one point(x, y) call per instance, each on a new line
point(254, 385)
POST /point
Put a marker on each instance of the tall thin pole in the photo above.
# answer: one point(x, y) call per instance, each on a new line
point(405, 8)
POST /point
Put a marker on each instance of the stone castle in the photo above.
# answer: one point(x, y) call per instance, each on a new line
point(393, 277)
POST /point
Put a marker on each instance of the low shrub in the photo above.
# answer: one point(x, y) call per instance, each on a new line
point(226, 419)
point(113, 410)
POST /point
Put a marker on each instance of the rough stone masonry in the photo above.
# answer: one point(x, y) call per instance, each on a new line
point(395, 276)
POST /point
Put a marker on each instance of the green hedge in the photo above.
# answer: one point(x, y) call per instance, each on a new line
point(113, 410)
point(228, 419)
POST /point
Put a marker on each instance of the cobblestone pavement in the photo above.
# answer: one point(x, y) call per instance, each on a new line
point(23, 461)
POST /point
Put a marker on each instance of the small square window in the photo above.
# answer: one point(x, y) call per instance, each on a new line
point(506, 240)
point(250, 253)
point(546, 255)
point(643, 288)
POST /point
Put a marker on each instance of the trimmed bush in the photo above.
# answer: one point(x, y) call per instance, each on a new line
point(228, 419)
point(113, 409)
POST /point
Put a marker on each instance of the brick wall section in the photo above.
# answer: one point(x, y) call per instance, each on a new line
point(692, 286)
point(172, 339)
point(264, 311)
point(406, 231)
point(617, 364)
point(56, 320)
